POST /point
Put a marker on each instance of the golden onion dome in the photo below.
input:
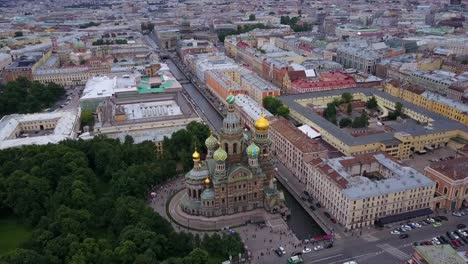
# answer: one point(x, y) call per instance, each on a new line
point(207, 181)
point(196, 155)
point(262, 123)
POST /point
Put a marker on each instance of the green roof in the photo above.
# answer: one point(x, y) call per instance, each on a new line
point(144, 86)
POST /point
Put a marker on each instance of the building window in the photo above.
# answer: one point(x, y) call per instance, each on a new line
point(445, 190)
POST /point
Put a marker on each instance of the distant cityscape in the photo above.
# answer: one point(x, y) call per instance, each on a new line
point(284, 131)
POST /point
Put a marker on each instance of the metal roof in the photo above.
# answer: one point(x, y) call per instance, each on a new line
point(440, 124)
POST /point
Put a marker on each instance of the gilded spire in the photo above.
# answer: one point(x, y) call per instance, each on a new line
point(196, 155)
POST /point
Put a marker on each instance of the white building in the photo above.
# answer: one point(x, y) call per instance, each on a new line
point(38, 129)
point(359, 190)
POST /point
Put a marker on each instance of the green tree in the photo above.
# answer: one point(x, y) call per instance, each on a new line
point(22, 256)
point(371, 103)
point(275, 106)
point(197, 256)
point(252, 17)
point(398, 108)
point(87, 118)
point(283, 111)
point(345, 122)
point(360, 121)
point(25, 96)
point(330, 113)
point(347, 98)
point(87, 203)
point(18, 34)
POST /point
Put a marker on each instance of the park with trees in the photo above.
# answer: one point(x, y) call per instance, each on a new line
point(295, 23)
point(23, 96)
point(87, 202)
point(332, 114)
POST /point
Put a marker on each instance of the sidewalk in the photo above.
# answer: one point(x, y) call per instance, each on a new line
point(297, 189)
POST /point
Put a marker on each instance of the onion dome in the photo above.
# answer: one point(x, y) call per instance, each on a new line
point(230, 99)
point(211, 142)
point(207, 181)
point(196, 156)
point(220, 155)
point(252, 151)
point(262, 123)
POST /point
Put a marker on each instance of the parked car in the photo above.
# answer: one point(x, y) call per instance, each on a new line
point(436, 224)
point(435, 241)
point(443, 240)
point(329, 245)
point(460, 226)
point(318, 205)
point(327, 214)
point(456, 214)
point(395, 232)
point(306, 250)
point(402, 236)
point(306, 193)
point(333, 220)
point(310, 200)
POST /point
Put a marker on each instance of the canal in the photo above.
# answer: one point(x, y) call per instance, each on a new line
point(300, 222)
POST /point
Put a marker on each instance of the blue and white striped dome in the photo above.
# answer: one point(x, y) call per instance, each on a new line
point(252, 151)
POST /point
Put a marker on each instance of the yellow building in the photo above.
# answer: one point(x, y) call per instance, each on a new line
point(424, 130)
point(433, 102)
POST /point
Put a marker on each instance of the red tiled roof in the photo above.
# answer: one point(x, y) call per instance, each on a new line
point(330, 172)
point(455, 169)
point(296, 137)
point(296, 75)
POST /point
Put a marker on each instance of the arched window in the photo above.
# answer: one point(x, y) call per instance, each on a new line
point(226, 147)
point(456, 193)
point(466, 191)
point(234, 148)
point(445, 190)
point(437, 185)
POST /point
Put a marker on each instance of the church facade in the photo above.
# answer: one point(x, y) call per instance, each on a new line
point(236, 175)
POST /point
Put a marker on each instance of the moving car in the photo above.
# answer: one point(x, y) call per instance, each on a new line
point(403, 236)
point(436, 224)
point(317, 248)
point(295, 260)
point(306, 250)
point(280, 251)
point(460, 226)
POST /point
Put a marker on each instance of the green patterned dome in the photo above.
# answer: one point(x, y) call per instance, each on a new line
point(211, 142)
point(252, 151)
point(230, 99)
point(220, 155)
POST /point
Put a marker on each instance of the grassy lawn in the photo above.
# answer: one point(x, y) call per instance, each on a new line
point(12, 234)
